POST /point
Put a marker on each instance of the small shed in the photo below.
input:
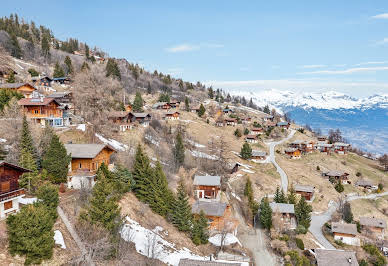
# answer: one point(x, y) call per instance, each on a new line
point(305, 191)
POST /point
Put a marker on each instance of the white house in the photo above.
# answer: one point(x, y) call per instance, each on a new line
point(346, 233)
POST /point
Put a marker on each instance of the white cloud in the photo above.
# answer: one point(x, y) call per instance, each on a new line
point(381, 16)
point(313, 66)
point(383, 41)
point(346, 71)
point(371, 63)
point(186, 47)
point(182, 48)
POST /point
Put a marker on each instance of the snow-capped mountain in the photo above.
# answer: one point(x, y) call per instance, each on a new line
point(327, 100)
point(364, 121)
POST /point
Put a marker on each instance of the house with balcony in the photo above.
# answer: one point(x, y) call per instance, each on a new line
point(42, 110)
point(121, 119)
point(305, 191)
point(24, 89)
point(85, 161)
point(287, 213)
point(219, 215)
point(293, 153)
point(335, 176)
point(374, 226)
point(207, 188)
point(10, 192)
point(172, 115)
point(341, 148)
point(142, 119)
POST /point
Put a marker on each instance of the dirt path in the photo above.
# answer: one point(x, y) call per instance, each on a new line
point(272, 159)
point(75, 236)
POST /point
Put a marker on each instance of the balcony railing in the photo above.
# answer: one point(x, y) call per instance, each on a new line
point(11, 194)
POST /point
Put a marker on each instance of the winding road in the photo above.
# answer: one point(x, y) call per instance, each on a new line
point(272, 159)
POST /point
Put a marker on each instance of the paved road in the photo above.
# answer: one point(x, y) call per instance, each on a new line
point(272, 159)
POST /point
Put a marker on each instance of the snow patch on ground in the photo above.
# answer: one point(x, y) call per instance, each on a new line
point(81, 127)
point(3, 140)
point(195, 144)
point(151, 139)
point(58, 238)
point(204, 155)
point(236, 196)
point(114, 143)
point(266, 160)
point(26, 201)
point(248, 171)
point(229, 239)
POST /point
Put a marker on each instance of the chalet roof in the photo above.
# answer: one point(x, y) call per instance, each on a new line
point(282, 207)
point(4, 163)
point(207, 180)
point(290, 150)
point(282, 124)
point(141, 115)
point(251, 137)
point(14, 85)
point(172, 112)
point(364, 183)
point(335, 257)
point(158, 104)
point(61, 78)
point(324, 144)
point(297, 142)
point(304, 188)
point(258, 153)
point(373, 222)
point(322, 137)
point(257, 129)
point(59, 94)
point(85, 151)
point(341, 144)
point(118, 114)
point(343, 228)
point(41, 101)
point(230, 119)
point(335, 173)
point(210, 208)
point(190, 262)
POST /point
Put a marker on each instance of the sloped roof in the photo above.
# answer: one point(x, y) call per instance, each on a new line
point(341, 144)
point(172, 112)
point(85, 151)
point(334, 173)
point(282, 124)
point(282, 207)
point(373, 222)
point(156, 105)
point(59, 94)
point(304, 188)
point(14, 85)
point(290, 149)
point(364, 183)
point(258, 153)
point(335, 257)
point(190, 262)
point(210, 208)
point(141, 115)
point(36, 101)
point(251, 137)
point(344, 228)
point(4, 163)
point(207, 180)
point(118, 114)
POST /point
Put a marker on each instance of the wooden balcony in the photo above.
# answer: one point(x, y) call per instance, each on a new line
point(11, 194)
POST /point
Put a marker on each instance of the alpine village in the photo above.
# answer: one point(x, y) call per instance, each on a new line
point(105, 163)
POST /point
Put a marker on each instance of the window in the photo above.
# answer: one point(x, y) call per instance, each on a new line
point(93, 166)
point(36, 111)
point(8, 205)
point(5, 186)
point(80, 165)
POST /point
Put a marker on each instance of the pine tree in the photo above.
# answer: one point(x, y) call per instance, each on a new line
point(277, 195)
point(187, 104)
point(45, 46)
point(199, 231)
point(160, 196)
point(85, 66)
point(142, 172)
point(246, 131)
point(210, 93)
point(15, 47)
point(112, 69)
point(45, 139)
point(339, 187)
point(138, 103)
point(265, 213)
point(47, 195)
point(248, 191)
point(11, 77)
point(347, 214)
point(201, 111)
point(69, 66)
point(292, 196)
point(182, 217)
point(266, 109)
point(164, 97)
point(30, 234)
point(56, 161)
point(179, 150)
point(87, 51)
point(246, 151)
point(103, 209)
point(28, 180)
point(149, 88)
point(123, 179)
point(237, 133)
point(302, 213)
point(58, 71)
point(26, 142)
point(282, 197)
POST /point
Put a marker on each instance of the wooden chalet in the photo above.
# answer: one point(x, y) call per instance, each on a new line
point(364, 183)
point(258, 155)
point(173, 115)
point(220, 122)
point(121, 119)
point(341, 148)
point(287, 213)
point(305, 191)
point(63, 97)
point(24, 89)
point(5, 71)
point(270, 124)
point(303, 146)
point(195, 109)
point(322, 139)
point(324, 147)
point(10, 192)
point(246, 120)
point(268, 118)
point(293, 153)
point(227, 110)
point(336, 176)
point(231, 121)
point(43, 81)
point(175, 104)
point(143, 119)
point(62, 80)
point(85, 161)
point(251, 139)
point(256, 131)
point(207, 188)
point(346, 233)
point(219, 214)
point(285, 125)
point(373, 225)
point(162, 105)
point(335, 257)
point(42, 110)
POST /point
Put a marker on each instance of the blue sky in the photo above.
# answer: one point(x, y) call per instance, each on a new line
point(251, 45)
